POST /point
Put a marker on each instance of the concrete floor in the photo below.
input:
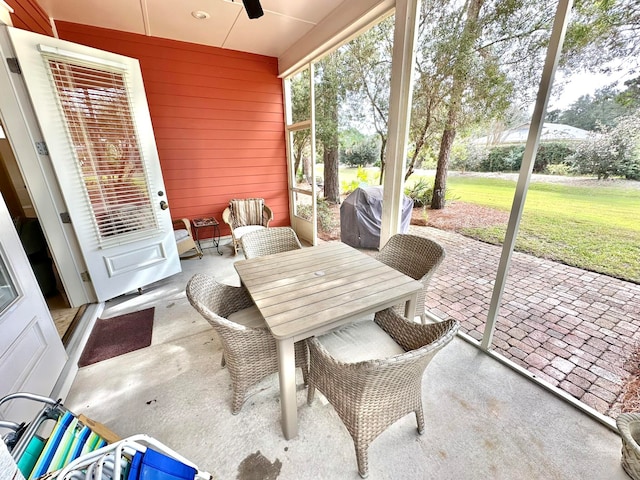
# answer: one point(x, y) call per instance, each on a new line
point(484, 421)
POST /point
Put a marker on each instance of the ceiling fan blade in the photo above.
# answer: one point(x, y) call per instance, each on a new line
point(253, 8)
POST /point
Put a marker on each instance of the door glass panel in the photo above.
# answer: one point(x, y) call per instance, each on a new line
point(8, 291)
point(95, 104)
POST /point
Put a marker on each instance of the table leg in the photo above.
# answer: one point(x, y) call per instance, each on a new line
point(197, 237)
point(216, 238)
point(410, 307)
point(287, 374)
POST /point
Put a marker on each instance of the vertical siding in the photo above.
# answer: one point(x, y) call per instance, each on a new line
point(29, 15)
point(218, 118)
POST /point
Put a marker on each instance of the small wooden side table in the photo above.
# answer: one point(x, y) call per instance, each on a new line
point(207, 222)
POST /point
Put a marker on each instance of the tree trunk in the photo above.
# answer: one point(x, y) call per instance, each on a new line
point(297, 157)
point(440, 182)
point(412, 162)
point(383, 152)
point(470, 33)
point(331, 178)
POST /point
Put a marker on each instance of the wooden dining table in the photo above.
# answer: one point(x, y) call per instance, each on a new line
point(307, 292)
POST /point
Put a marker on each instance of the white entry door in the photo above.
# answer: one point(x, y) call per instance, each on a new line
point(92, 109)
point(31, 352)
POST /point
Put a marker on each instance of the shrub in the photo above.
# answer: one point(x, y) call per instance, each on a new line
point(508, 158)
point(561, 169)
point(552, 153)
point(362, 178)
point(304, 211)
point(614, 151)
point(421, 192)
point(361, 154)
point(326, 222)
point(503, 159)
point(469, 158)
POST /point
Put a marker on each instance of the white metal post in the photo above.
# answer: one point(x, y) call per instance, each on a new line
point(402, 67)
point(544, 91)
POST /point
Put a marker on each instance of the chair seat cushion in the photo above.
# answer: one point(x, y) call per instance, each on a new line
point(180, 234)
point(358, 342)
point(249, 317)
point(240, 231)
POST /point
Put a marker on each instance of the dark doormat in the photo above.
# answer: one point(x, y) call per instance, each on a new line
point(115, 336)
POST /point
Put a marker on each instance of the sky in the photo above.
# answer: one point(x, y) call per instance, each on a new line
point(582, 84)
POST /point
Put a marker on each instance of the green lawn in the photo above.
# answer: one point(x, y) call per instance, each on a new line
point(593, 228)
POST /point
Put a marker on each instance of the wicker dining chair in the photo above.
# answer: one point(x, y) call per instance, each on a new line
point(371, 373)
point(416, 257)
point(268, 241)
point(248, 348)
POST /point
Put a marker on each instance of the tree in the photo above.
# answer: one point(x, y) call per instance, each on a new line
point(591, 112)
point(430, 86)
point(301, 110)
point(369, 59)
point(476, 53)
point(330, 91)
point(630, 97)
point(600, 32)
point(470, 34)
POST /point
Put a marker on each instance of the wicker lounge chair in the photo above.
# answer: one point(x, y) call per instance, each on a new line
point(184, 238)
point(268, 241)
point(244, 216)
point(371, 372)
point(416, 257)
point(249, 350)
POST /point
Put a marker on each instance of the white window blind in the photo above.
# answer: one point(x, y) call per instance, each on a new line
point(94, 102)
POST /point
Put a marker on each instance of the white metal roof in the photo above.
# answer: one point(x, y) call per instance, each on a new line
point(550, 132)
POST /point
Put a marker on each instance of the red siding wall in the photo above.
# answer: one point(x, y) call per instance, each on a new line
point(28, 15)
point(217, 116)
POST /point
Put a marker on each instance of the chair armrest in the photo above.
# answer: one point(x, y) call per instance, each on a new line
point(410, 335)
point(180, 223)
point(226, 216)
point(183, 223)
point(215, 297)
point(267, 216)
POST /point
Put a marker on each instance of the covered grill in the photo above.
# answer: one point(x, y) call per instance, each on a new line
point(361, 217)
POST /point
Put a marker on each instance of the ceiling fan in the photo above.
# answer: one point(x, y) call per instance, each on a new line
point(253, 8)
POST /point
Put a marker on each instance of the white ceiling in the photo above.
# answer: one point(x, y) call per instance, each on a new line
point(283, 24)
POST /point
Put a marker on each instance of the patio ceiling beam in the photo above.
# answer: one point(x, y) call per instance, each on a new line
point(402, 69)
point(346, 22)
point(535, 129)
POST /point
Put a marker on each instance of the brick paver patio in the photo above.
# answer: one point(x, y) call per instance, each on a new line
point(572, 328)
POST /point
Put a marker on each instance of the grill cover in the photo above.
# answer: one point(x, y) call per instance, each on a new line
point(361, 217)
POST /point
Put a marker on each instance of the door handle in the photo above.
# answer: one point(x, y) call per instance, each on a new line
point(164, 205)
